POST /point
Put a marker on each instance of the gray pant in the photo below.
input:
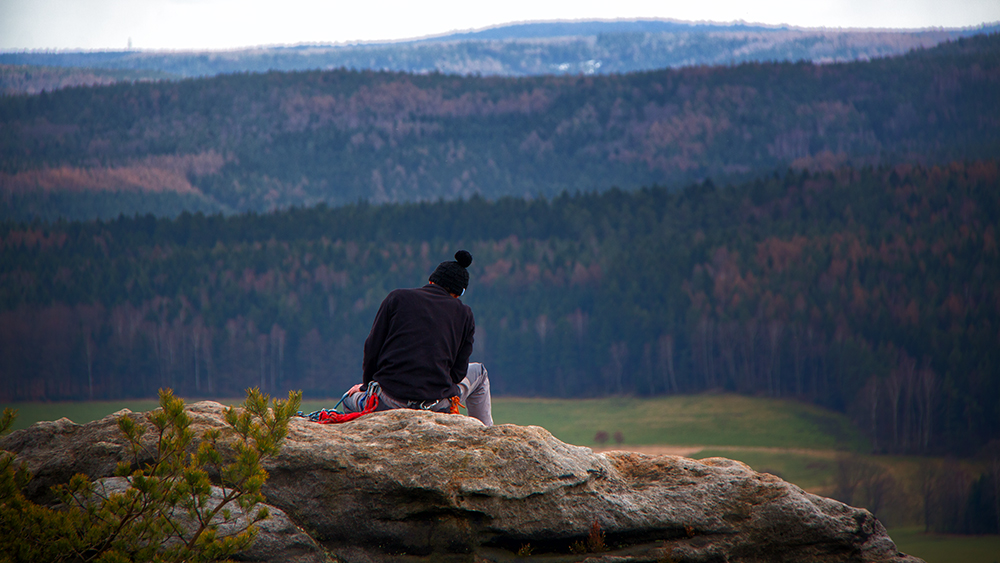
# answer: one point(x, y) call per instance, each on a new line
point(474, 392)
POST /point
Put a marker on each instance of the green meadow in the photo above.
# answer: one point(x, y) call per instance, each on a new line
point(78, 412)
point(943, 548)
point(798, 442)
point(687, 420)
point(698, 420)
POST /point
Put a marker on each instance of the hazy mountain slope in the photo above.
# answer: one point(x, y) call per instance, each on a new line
point(259, 142)
point(530, 49)
point(540, 30)
point(18, 79)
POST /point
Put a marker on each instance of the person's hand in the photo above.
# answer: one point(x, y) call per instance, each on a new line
point(355, 389)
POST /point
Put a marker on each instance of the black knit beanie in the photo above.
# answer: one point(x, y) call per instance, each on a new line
point(452, 275)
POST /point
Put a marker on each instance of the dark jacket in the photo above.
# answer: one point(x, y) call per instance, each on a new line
point(419, 345)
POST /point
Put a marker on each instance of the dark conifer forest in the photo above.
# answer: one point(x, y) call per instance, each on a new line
point(871, 290)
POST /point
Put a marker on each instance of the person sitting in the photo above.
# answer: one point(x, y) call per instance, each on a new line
point(417, 352)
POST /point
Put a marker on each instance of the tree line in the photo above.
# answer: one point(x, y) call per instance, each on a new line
point(872, 291)
point(946, 496)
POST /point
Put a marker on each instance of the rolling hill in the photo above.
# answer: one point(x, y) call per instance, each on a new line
point(257, 142)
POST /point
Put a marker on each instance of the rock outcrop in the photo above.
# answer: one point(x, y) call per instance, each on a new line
point(417, 486)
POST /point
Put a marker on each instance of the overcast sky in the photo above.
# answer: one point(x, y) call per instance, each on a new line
point(226, 24)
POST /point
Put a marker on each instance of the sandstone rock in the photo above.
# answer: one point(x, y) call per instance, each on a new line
point(57, 450)
point(278, 538)
point(408, 486)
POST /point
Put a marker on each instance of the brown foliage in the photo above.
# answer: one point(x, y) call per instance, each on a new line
point(153, 174)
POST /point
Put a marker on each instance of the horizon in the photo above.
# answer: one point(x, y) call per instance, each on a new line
point(333, 44)
point(231, 25)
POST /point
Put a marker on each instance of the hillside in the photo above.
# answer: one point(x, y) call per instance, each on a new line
point(253, 142)
point(870, 291)
point(24, 79)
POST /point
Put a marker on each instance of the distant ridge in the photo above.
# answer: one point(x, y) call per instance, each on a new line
point(517, 49)
point(542, 30)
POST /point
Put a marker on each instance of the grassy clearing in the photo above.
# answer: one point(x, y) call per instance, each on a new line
point(940, 548)
point(80, 413)
point(703, 420)
point(84, 412)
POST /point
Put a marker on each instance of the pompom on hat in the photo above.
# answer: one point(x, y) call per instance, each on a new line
point(452, 275)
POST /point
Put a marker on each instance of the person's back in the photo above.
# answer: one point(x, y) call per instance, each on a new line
point(420, 344)
point(417, 353)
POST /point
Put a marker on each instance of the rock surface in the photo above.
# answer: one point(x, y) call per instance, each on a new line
point(278, 538)
point(417, 486)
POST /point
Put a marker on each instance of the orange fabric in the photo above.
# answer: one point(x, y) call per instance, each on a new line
point(455, 403)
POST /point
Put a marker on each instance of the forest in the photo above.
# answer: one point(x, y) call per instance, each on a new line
point(272, 141)
point(873, 290)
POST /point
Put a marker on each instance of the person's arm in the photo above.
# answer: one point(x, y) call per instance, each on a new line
point(375, 340)
point(461, 366)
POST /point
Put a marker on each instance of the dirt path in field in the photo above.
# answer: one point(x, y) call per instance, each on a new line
point(688, 451)
point(685, 451)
